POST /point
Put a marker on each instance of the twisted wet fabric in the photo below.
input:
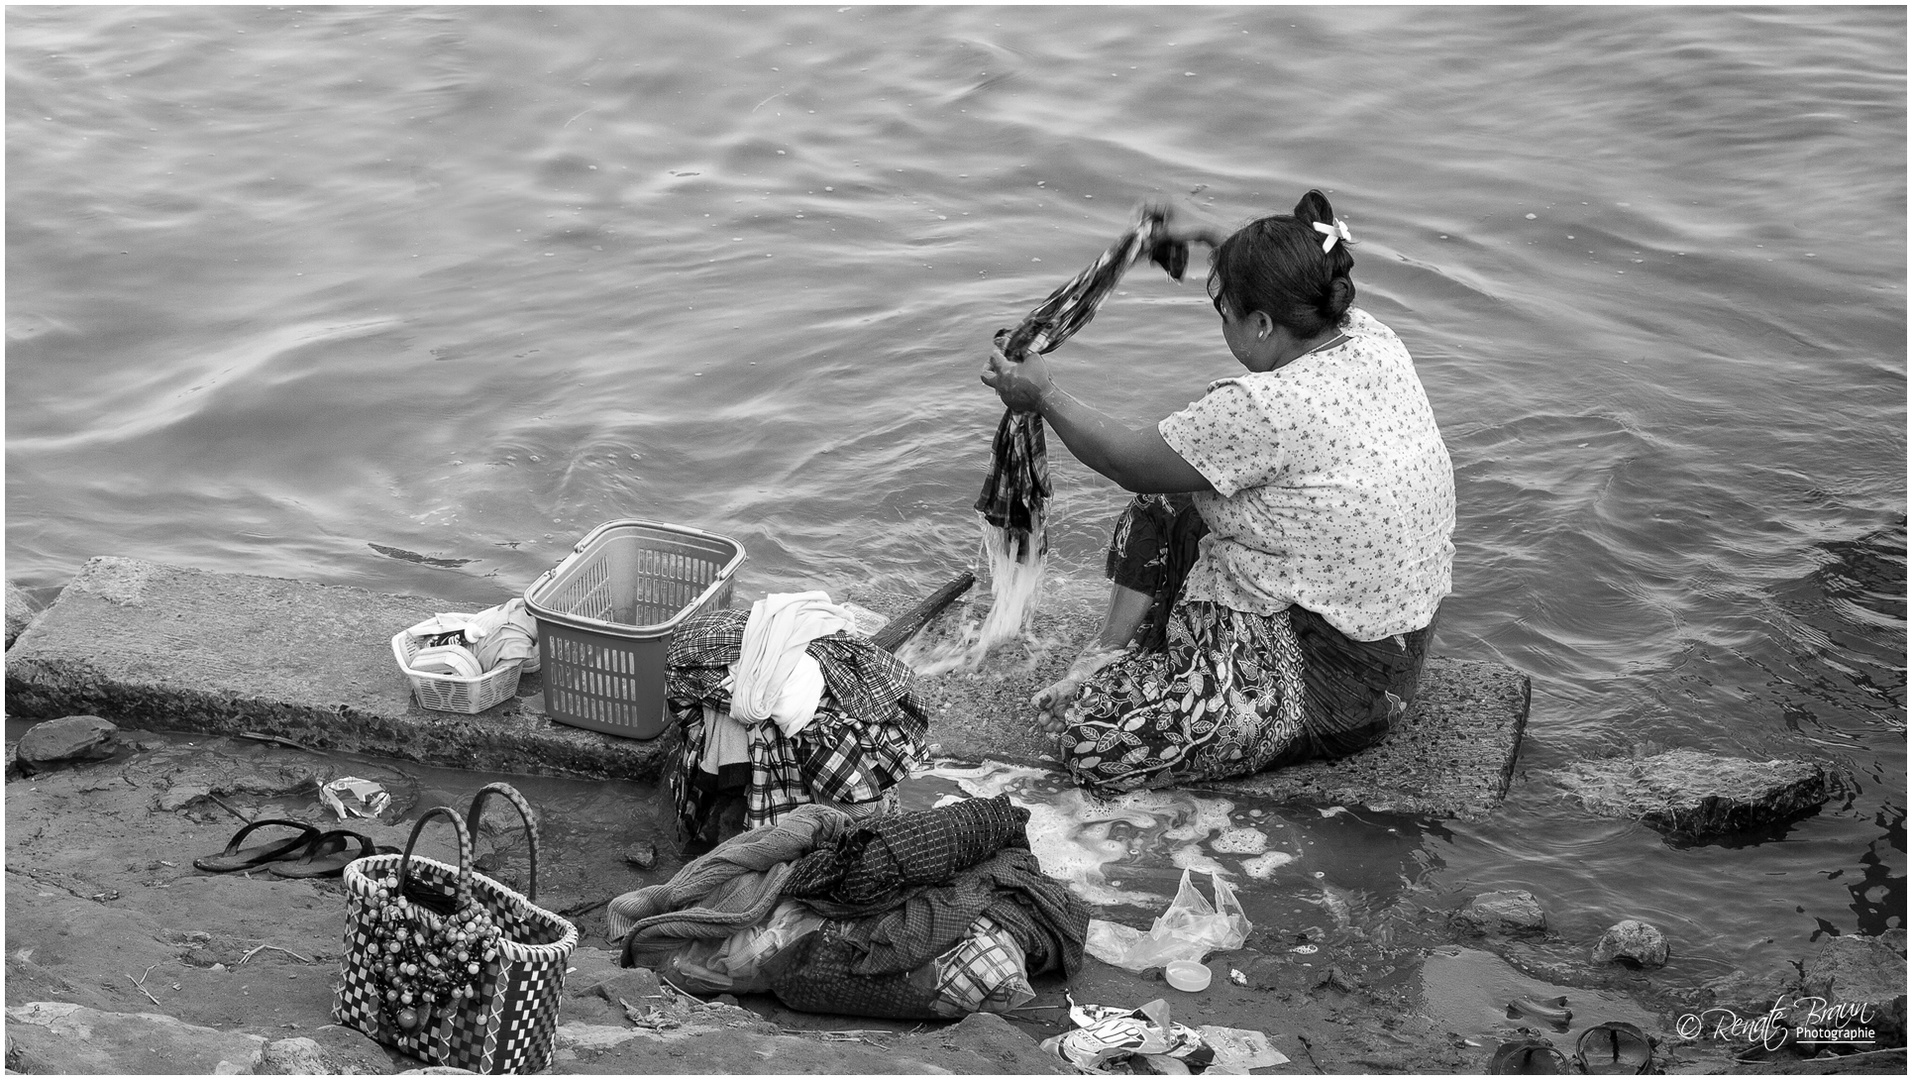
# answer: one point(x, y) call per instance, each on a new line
point(1017, 489)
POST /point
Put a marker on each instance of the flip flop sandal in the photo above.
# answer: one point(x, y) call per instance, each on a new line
point(1614, 1048)
point(1528, 1057)
point(327, 855)
point(248, 858)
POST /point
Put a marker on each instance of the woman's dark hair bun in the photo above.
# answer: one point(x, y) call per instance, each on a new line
point(1314, 207)
point(1276, 265)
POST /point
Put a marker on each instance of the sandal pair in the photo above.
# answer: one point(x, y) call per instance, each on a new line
point(310, 853)
point(1612, 1048)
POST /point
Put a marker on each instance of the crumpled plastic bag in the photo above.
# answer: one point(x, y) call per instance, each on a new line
point(351, 796)
point(1109, 1036)
point(1189, 929)
point(1105, 1034)
point(496, 635)
point(735, 964)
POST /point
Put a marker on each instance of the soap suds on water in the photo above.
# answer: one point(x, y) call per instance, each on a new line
point(1078, 837)
point(1263, 866)
point(1241, 841)
point(1190, 857)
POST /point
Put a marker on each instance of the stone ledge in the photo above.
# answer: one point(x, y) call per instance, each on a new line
point(155, 646)
point(147, 645)
point(1451, 757)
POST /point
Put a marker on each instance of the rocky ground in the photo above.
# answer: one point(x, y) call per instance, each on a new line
point(121, 957)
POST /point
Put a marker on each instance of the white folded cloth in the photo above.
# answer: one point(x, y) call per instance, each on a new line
point(774, 679)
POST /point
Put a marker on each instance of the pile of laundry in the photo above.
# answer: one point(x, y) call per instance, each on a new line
point(786, 705)
point(910, 915)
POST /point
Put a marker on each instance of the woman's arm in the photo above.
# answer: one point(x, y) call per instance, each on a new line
point(1137, 458)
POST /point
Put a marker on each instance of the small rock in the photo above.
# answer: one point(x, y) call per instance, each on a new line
point(628, 984)
point(297, 1056)
point(643, 856)
point(1514, 911)
point(1631, 941)
point(1336, 979)
point(70, 738)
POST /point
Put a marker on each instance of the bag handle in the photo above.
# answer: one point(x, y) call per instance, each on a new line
point(523, 807)
point(463, 886)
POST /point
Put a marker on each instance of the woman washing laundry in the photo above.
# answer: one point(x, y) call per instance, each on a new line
point(1277, 577)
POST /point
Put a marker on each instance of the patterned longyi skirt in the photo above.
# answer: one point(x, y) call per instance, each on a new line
point(1208, 692)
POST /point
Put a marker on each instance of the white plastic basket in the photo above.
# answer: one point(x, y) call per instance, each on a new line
point(454, 693)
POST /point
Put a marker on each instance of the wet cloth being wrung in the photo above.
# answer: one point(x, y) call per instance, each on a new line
point(1016, 488)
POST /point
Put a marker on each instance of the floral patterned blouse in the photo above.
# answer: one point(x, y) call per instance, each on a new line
point(1333, 489)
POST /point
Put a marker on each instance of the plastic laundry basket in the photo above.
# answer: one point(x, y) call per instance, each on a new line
point(605, 616)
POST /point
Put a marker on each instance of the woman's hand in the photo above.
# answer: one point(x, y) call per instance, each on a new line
point(1052, 701)
point(1184, 226)
point(1020, 385)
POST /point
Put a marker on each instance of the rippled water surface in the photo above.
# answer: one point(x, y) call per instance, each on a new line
point(411, 299)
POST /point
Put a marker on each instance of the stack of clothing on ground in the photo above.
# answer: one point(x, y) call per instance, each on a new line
point(784, 706)
point(913, 915)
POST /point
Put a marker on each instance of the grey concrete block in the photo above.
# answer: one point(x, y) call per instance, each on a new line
point(1451, 757)
point(1695, 796)
point(1859, 980)
point(21, 611)
point(168, 647)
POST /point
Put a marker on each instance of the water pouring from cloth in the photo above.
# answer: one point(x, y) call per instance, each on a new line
point(1015, 495)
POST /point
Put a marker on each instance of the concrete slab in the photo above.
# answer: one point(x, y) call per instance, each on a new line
point(1452, 757)
point(155, 646)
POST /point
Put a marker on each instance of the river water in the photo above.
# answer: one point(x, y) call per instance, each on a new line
point(412, 298)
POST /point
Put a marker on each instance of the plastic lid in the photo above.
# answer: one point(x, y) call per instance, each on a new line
point(1187, 975)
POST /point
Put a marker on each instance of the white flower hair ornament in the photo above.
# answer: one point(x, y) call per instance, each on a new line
point(1333, 233)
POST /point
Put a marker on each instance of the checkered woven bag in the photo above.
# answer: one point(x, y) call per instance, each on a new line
point(507, 1022)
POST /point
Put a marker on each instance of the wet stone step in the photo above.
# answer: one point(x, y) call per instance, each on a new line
point(155, 646)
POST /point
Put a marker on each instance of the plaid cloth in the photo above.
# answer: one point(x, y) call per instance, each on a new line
point(1017, 486)
point(892, 853)
point(867, 736)
point(986, 972)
